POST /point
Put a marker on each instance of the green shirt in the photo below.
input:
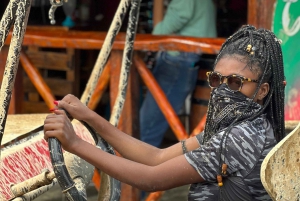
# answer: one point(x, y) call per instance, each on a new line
point(195, 18)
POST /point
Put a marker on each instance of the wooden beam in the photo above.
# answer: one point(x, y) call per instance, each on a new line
point(129, 117)
point(37, 80)
point(158, 11)
point(260, 13)
point(95, 40)
point(101, 86)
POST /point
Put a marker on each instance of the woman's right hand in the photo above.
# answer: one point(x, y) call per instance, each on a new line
point(74, 107)
point(59, 126)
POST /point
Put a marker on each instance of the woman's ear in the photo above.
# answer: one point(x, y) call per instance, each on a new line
point(263, 91)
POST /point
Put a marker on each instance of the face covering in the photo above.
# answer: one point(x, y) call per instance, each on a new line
point(228, 105)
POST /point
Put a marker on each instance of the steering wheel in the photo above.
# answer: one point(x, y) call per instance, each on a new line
point(75, 190)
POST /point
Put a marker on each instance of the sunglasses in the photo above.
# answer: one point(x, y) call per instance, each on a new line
point(234, 82)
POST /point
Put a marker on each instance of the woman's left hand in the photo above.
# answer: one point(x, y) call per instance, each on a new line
point(59, 126)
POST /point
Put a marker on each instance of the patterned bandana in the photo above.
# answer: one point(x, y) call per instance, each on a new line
point(227, 105)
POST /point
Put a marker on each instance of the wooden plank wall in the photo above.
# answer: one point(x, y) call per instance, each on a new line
point(59, 70)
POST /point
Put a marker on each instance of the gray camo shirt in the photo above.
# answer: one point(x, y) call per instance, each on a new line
point(247, 145)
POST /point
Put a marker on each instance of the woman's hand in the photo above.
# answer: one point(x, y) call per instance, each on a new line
point(59, 126)
point(74, 107)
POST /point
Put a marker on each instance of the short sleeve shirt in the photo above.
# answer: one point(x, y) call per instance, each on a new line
point(246, 146)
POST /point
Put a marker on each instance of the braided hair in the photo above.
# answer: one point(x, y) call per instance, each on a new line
point(265, 59)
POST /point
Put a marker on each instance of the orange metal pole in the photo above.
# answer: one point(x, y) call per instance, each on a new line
point(160, 99)
point(101, 86)
point(37, 80)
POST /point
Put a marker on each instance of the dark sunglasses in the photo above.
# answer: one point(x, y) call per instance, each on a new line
point(234, 82)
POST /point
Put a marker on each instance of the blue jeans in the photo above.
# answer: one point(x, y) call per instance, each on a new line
point(177, 77)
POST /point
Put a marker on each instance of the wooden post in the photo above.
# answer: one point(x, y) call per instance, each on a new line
point(129, 118)
point(158, 11)
point(260, 13)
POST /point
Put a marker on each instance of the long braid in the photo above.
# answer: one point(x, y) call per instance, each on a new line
point(276, 106)
point(274, 102)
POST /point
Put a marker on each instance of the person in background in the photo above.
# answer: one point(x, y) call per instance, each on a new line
point(175, 71)
point(245, 120)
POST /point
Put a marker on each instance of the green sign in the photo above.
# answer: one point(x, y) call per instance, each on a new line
point(286, 26)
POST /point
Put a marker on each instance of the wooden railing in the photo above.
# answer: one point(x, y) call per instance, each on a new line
point(60, 38)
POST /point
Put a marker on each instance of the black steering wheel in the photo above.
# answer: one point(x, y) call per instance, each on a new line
point(72, 190)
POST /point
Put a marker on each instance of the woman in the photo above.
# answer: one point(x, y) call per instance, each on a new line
point(245, 120)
